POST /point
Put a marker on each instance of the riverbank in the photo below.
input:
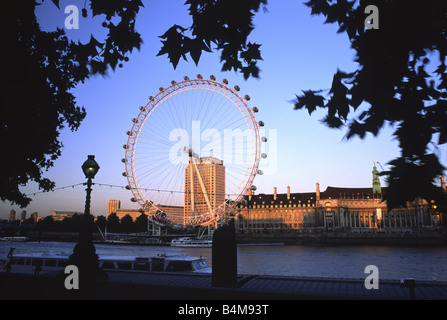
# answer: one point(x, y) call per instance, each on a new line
point(392, 239)
point(58, 236)
point(433, 238)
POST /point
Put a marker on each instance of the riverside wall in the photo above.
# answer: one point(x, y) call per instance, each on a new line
point(432, 238)
point(346, 238)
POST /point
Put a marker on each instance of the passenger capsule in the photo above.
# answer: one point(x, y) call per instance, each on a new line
point(173, 82)
point(260, 172)
point(253, 188)
point(141, 108)
point(186, 78)
point(237, 88)
point(161, 88)
point(247, 97)
point(123, 160)
point(264, 139)
point(128, 133)
point(151, 98)
point(263, 155)
point(124, 174)
point(199, 76)
point(125, 146)
point(261, 123)
point(225, 81)
point(255, 109)
point(133, 200)
point(212, 77)
point(127, 187)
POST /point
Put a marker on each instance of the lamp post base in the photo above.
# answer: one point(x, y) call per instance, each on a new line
point(84, 255)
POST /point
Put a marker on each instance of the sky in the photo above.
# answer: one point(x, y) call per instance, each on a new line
point(299, 52)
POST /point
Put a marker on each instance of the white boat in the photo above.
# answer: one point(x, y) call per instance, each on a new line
point(14, 239)
point(40, 263)
point(190, 242)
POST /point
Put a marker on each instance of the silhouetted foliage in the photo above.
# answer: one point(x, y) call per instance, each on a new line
point(141, 223)
point(101, 222)
point(113, 223)
point(41, 68)
point(127, 224)
point(46, 224)
point(392, 84)
point(221, 25)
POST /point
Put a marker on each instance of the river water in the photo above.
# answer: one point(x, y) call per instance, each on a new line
point(421, 263)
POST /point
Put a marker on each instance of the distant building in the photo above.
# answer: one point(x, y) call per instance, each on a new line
point(204, 186)
point(12, 215)
point(35, 216)
point(177, 211)
point(61, 215)
point(134, 213)
point(113, 206)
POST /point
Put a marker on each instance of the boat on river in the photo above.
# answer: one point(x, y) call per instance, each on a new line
point(14, 239)
point(39, 263)
point(188, 242)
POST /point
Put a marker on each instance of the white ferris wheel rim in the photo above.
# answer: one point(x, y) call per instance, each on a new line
point(146, 111)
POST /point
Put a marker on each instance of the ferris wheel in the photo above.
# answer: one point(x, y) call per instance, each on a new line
point(193, 152)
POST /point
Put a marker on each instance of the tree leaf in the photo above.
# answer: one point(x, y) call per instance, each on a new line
point(310, 101)
point(56, 3)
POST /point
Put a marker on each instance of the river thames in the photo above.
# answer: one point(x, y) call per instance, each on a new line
point(393, 262)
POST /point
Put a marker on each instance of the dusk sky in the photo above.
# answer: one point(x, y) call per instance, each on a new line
point(299, 52)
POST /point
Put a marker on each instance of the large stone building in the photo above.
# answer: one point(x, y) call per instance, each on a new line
point(355, 210)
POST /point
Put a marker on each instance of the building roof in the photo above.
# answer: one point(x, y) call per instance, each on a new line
point(310, 197)
point(66, 212)
point(348, 193)
point(307, 197)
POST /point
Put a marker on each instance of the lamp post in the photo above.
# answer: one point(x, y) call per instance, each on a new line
point(84, 254)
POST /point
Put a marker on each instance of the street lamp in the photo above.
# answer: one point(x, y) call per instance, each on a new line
point(90, 167)
point(84, 254)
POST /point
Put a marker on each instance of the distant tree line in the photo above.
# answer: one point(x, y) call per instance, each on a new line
point(112, 224)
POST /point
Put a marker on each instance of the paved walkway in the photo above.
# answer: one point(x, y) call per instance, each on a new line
point(181, 286)
point(282, 287)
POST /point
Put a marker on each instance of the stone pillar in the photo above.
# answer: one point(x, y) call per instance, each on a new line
point(443, 187)
point(224, 258)
point(318, 193)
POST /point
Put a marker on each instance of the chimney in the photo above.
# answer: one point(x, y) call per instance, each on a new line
point(318, 192)
point(274, 193)
point(443, 184)
point(288, 192)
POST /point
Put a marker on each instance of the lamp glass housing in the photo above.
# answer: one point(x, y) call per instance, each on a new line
point(90, 167)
